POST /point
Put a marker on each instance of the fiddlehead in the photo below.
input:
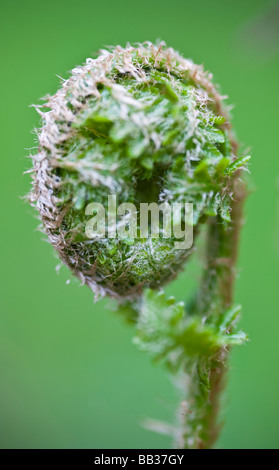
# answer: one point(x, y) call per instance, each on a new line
point(144, 125)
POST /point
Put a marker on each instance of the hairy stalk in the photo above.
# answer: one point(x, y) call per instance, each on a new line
point(214, 297)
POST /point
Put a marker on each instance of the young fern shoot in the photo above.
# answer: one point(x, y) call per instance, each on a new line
point(143, 125)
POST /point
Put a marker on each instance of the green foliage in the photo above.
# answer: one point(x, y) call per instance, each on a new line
point(237, 164)
point(167, 331)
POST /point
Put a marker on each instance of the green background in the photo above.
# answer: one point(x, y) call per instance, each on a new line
point(70, 376)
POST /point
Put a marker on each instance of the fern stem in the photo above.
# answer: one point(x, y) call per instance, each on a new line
point(201, 427)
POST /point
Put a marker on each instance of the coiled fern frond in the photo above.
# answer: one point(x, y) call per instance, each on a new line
point(145, 125)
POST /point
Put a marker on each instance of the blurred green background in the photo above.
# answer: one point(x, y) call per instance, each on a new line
point(70, 376)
